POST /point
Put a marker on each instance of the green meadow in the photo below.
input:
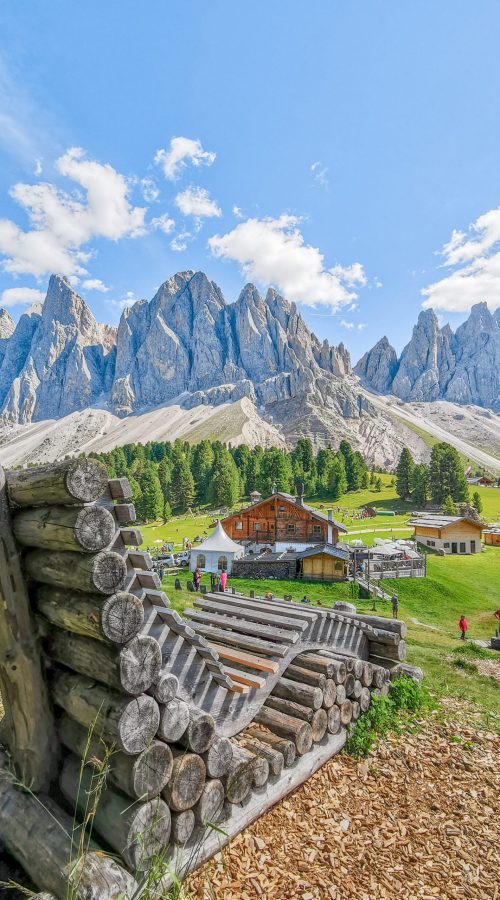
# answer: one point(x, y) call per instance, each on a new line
point(430, 606)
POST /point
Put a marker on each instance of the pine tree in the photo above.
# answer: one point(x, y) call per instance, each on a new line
point(167, 511)
point(182, 488)
point(477, 502)
point(378, 485)
point(201, 469)
point(448, 505)
point(446, 475)
point(165, 476)
point(420, 492)
point(337, 480)
point(404, 474)
point(225, 483)
point(365, 482)
point(275, 468)
point(151, 503)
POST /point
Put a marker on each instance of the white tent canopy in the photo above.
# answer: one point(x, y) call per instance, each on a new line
point(216, 553)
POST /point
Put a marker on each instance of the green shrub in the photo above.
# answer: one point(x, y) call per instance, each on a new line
point(384, 715)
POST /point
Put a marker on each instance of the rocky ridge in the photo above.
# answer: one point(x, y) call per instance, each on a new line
point(439, 364)
point(188, 350)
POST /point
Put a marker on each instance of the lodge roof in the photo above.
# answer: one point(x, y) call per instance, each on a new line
point(443, 521)
point(314, 513)
point(328, 549)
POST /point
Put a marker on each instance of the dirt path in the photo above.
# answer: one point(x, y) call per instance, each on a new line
point(419, 819)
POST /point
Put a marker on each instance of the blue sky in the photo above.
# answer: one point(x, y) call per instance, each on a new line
point(345, 152)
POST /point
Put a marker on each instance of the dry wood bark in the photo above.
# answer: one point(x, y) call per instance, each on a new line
point(209, 807)
point(218, 757)
point(83, 529)
point(37, 834)
point(137, 831)
point(104, 572)
point(283, 745)
point(132, 668)
point(165, 688)
point(142, 776)
point(174, 719)
point(28, 727)
point(117, 618)
point(70, 482)
point(186, 782)
point(333, 724)
point(200, 732)
point(274, 757)
point(299, 693)
point(182, 826)
point(130, 723)
point(288, 727)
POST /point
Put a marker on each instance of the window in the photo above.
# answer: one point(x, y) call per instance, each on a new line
point(273, 506)
point(446, 544)
point(316, 529)
point(256, 526)
point(222, 563)
point(462, 547)
point(272, 526)
point(472, 546)
point(281, 508)
point(338, 566)
point(290, 527)
point(201, 561)
point(431, 543)
point(239, 526)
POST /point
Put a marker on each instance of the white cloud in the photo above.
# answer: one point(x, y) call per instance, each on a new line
point(149, 189)
point(20, 296)
point(181, 152)
point(180, 241)
point(272, 251)
point(38, 168)
point(62, 222)
point(163, 223)
point(237, 213)
point(352, 325)
point(128, 300)
point(320, 174)
point(475, 262)
point(196, 201)
point(95, 284)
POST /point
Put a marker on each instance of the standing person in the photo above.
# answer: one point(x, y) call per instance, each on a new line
point(395, 606)
point(464, 627)
point(197, 579)
point(223, 580)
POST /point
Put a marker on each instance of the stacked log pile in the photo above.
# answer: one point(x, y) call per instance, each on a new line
point(178, 724)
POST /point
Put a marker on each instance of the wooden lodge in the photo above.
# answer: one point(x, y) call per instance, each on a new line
point(449, 534)
point(282, 522)
point(318, 563)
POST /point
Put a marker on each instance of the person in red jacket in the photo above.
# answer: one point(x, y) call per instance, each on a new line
point(463, 625)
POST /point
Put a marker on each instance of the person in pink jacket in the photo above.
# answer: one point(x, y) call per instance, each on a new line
point(223, 580)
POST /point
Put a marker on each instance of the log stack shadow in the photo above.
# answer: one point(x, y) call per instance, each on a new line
point(195, 723)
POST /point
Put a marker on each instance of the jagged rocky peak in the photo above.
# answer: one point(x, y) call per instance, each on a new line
point(378, 366)
point(7, 325)
point(57, 360)
point(437, 364)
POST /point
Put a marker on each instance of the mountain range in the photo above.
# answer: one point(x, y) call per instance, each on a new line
point(187, 363)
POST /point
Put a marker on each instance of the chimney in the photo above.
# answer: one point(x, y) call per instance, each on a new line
point(330, 515)
point(274, 487)
point(300, 493)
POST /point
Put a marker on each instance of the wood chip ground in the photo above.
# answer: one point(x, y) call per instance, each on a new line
point(418, 819)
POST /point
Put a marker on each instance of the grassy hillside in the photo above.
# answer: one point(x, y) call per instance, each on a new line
point(468, 584)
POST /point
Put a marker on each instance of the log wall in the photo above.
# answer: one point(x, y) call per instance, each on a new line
point(172, 723)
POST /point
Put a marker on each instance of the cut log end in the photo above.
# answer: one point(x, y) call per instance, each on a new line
point(138, 724)
point(140, 664)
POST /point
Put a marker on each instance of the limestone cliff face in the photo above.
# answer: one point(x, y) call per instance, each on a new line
point(188, 340)
point(57, 360)
point(379, 366)
point(437, 364)
point(7, 329)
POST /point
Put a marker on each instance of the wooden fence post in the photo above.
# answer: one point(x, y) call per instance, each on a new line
point(28, 726)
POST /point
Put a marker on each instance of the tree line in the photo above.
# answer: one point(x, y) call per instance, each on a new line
point(171, 477)
point(442, 482)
